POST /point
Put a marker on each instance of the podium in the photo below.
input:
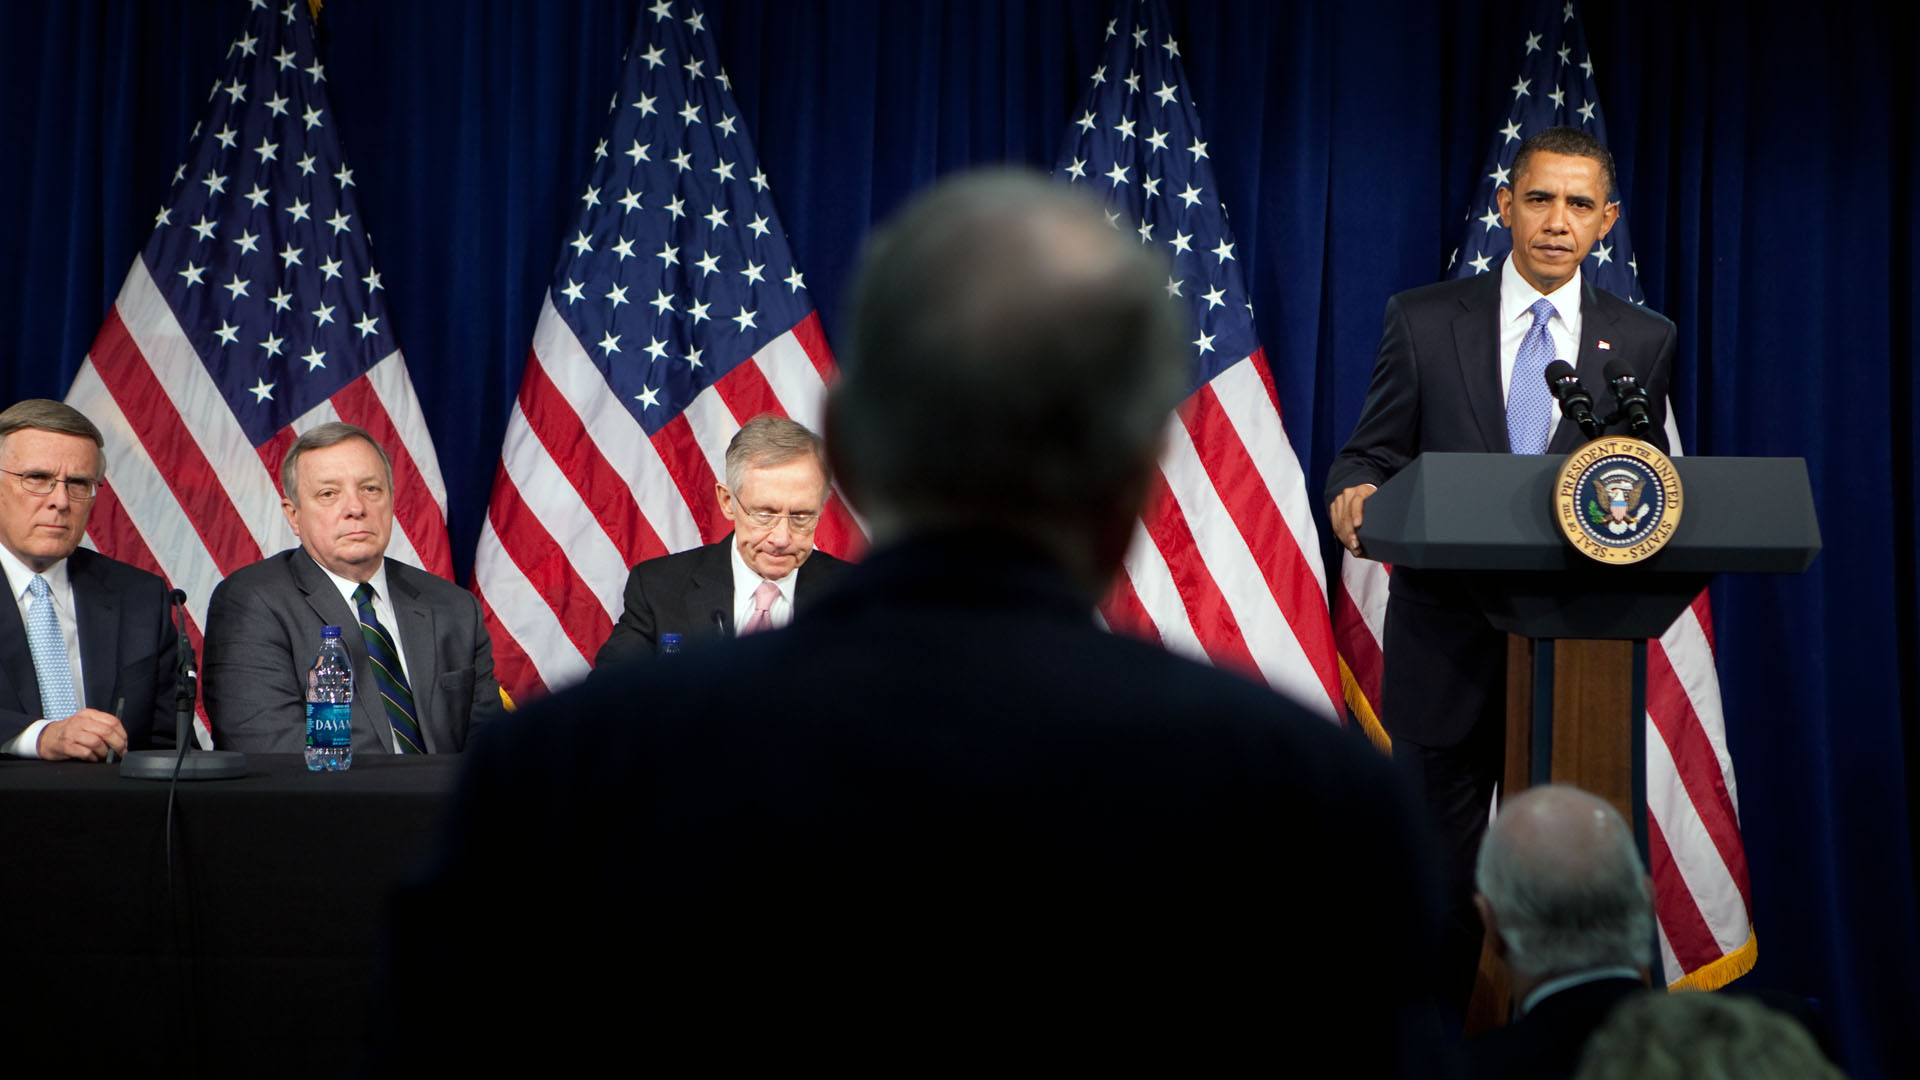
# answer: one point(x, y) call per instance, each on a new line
point(1487, 519)
point(1577, 657)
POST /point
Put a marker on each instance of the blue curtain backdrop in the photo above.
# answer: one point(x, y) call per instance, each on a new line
point(1767, 156)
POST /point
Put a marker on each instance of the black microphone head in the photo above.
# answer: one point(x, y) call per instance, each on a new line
point(178, 596)
point(1617, 369)
point(1558, 372)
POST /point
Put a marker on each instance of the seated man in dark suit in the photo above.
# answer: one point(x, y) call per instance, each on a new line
point(1570, 911)
point(433, 685)
point(82, 634)
point(943, 818)
point(751, 578)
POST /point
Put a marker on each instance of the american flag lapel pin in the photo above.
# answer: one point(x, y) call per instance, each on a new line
point(1605, 344)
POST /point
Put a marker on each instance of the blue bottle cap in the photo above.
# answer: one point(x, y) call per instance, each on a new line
point(329, 632)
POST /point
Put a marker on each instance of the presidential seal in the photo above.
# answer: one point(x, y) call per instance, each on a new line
point(1617, 499)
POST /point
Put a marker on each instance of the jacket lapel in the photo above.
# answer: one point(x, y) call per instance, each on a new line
point(1595, 327)
point(96, 614)
point(417, 639)
point(16, 659)
point(1476, 337)
point(712, 591)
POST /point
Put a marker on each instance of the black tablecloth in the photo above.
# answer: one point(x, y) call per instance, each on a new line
point(269, 938)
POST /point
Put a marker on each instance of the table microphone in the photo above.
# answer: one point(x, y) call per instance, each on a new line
point(179, 763)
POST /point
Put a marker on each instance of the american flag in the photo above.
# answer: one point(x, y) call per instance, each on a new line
point(253, 314)
point(1225, 565)
point(676, 314)
point(1699, 860)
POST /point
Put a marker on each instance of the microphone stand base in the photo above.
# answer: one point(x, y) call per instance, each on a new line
point(196, 765)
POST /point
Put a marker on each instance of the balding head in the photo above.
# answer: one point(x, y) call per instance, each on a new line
point(1564, 884)
point(1011, 363)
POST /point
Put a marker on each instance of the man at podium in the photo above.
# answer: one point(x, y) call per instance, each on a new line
point(1461, 368)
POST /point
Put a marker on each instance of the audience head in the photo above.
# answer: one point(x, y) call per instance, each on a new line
point(1701, 1036)
point(1011, 361)
point(1561, 887)
point(775, 489)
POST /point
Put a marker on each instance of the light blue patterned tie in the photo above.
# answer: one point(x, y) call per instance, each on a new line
point(49, 654)
point(1529, 402)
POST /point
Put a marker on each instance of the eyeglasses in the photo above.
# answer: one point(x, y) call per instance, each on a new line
point(800, 521)
point(79, 488)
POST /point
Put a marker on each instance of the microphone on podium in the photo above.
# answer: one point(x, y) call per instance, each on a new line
point(1572, 395)
point(1631, 396)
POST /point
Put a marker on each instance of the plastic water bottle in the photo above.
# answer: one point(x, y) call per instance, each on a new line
point(669, 644)
point(330, 706)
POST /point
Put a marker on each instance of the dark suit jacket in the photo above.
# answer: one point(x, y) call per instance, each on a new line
point(263, 629)
point(681, 594)
point(1436, 386)
point(127, 649)
point(1436, 383)
point(942, 816)
point(1546, 1043)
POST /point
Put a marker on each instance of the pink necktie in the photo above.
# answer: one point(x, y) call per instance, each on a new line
point(762, 617)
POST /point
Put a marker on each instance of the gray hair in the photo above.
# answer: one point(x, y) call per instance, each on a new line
point(1695, 1035)
point(1566, 885)
point(768, 440)
point(45, 414)
point(1012, 359)
point(320, 438)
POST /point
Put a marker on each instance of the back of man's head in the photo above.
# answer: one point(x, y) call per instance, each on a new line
point(1702, 1036)
point(1011, 362)
point(1567, 891)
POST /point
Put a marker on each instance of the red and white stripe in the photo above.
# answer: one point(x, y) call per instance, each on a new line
point(189, 497)
point(1225, 566)
point(1702, 901)
point(583, 493)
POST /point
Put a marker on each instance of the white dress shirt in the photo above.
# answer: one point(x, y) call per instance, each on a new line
point(1516, 318)
point(382, 610)
point(745, 581)
point(20, 582)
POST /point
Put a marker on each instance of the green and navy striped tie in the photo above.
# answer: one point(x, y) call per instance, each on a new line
point(395, 694)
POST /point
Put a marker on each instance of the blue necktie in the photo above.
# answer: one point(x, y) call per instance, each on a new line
point(1529, 402)
point(49, 654)
point(389, 673)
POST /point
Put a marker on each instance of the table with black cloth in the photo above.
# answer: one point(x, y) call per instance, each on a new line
point(261, 961)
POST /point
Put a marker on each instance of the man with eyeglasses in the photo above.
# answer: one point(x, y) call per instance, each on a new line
point(751, 580)
point(84, 635)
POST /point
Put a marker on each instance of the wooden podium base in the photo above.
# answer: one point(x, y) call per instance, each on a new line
point(1570, 711)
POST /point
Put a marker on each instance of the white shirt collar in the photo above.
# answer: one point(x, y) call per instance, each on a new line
point(20, 575)
point(1517, 295)
point(348, 588)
